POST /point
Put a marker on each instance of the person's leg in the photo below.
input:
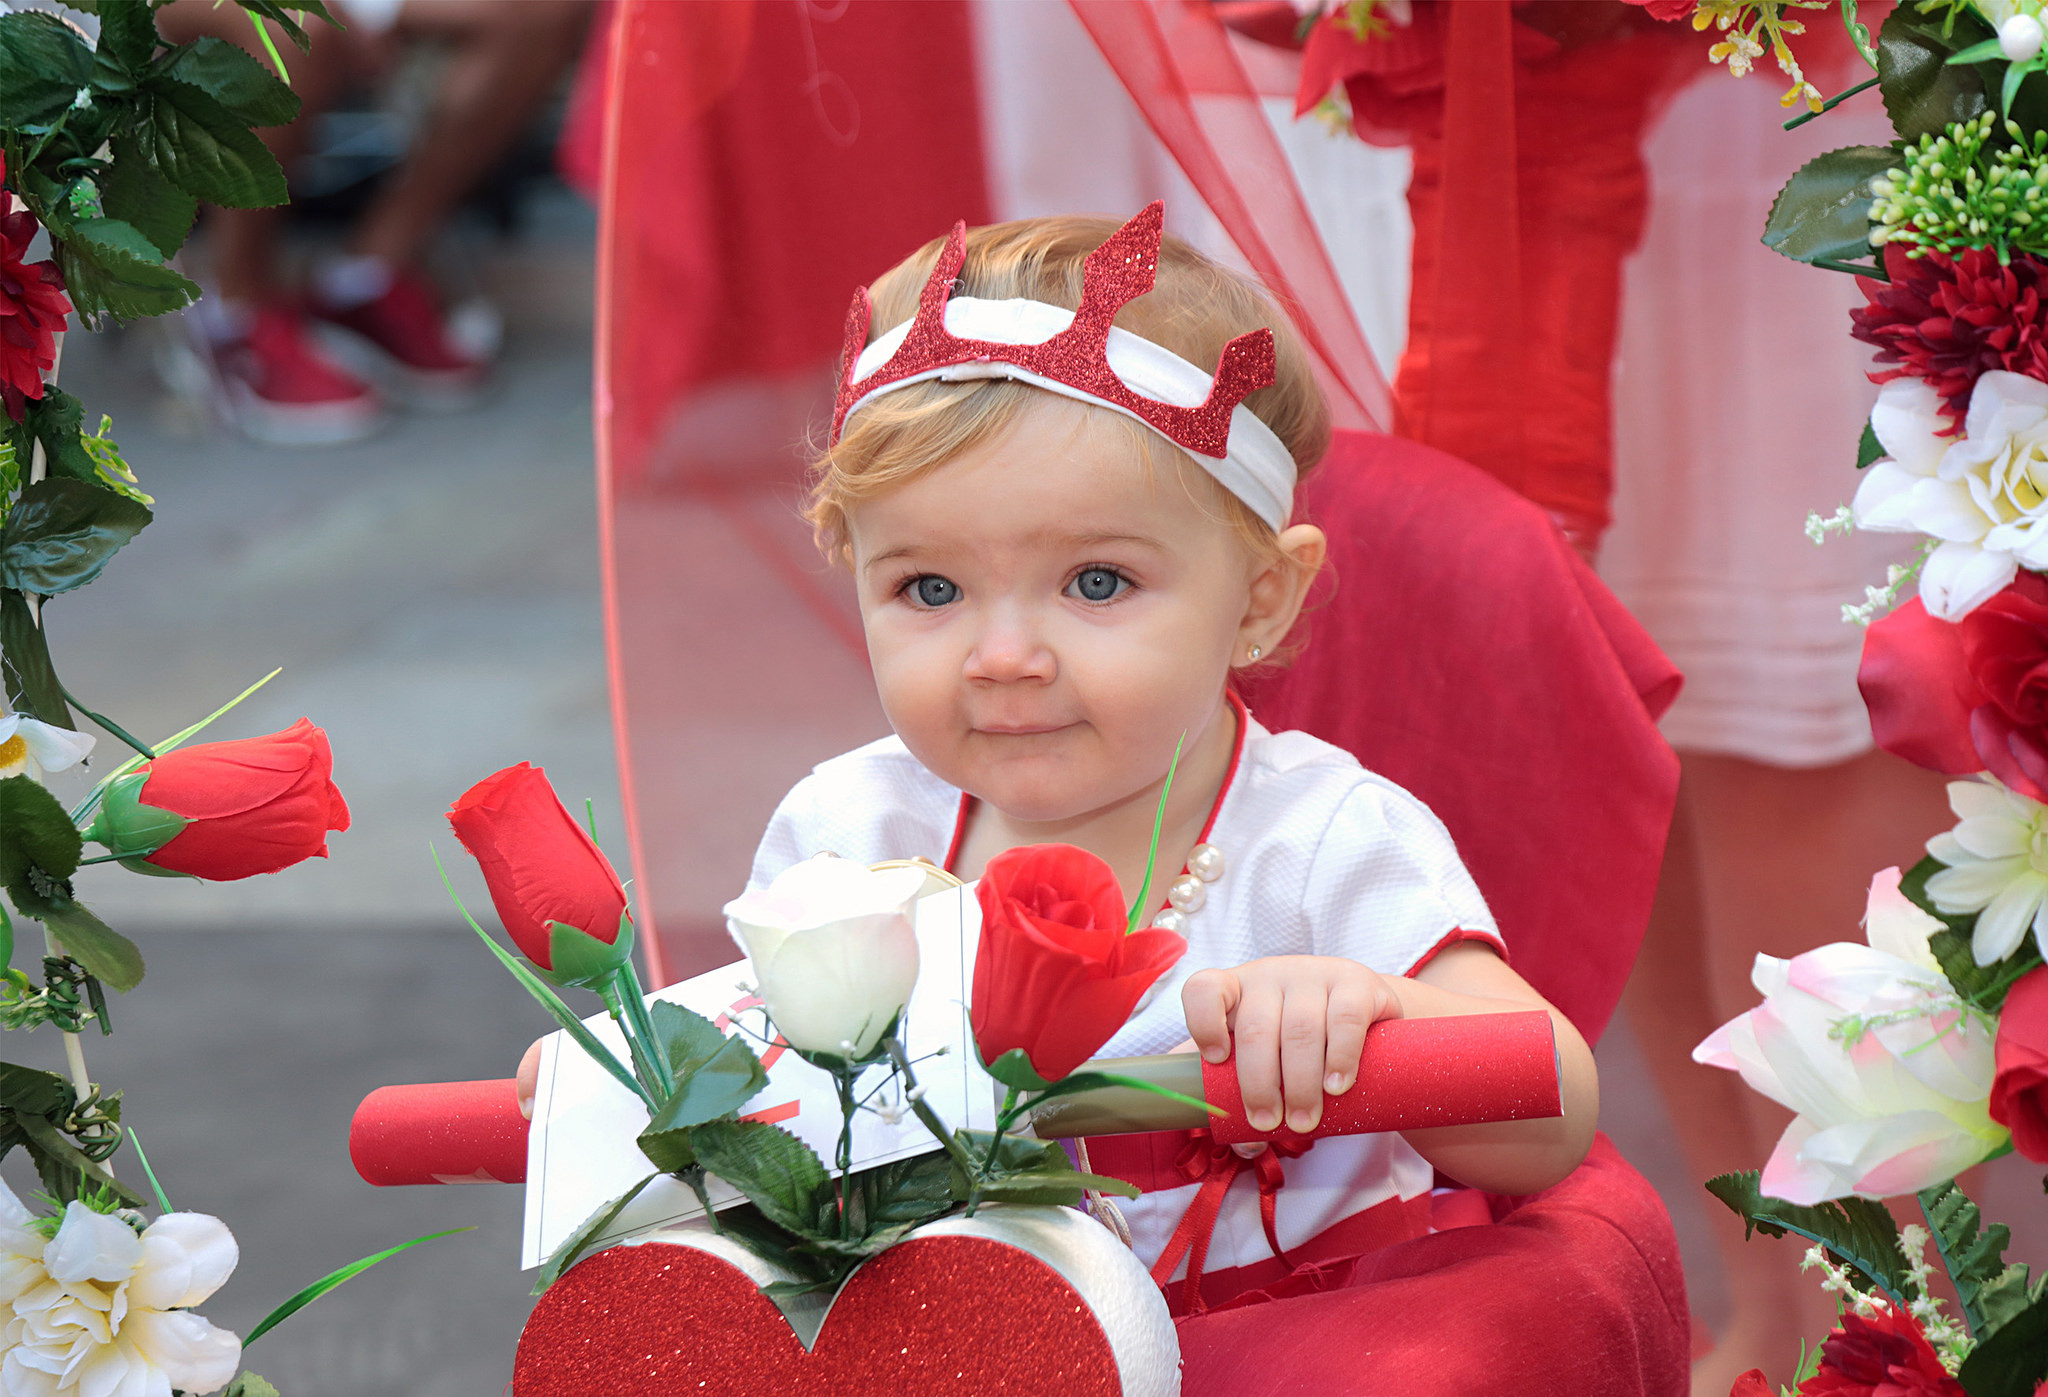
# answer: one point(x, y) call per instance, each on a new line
point(1774, 860)
point(507, 57)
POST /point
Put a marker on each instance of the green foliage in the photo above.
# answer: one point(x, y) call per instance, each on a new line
point(206, 150)
point(56, 421)
point(2013, 1361)
point(585, 1236)
point(287, 13)
point(706, 1089)
point(777, 1172)
point(38, 844)
point(1868, 447)
point(62, 532)
point(25, 668)
point(1983, 986)
point(1990, 1291)
point(334, 1278)
point(688, 1039)
point(133, 192)
point(249, 1385)
point(105, 953)
point(112, 467)
point(43, 64)
point(1976, 184)
point(231, 77)
point(1823, 212)
point(1923, 93)
point(1014, 1070)
point(1857, 1232)
point(34, 1108)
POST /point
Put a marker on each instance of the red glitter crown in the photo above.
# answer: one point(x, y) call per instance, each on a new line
point(1115, 274)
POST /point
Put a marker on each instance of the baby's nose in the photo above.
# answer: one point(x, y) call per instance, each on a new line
point(1010, 650)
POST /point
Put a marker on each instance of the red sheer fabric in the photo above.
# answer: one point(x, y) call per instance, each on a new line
point(1176, 59)
point(758, 163)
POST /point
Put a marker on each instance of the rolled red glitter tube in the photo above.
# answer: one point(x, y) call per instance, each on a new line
point(440, 1133)
point(1414, 1074)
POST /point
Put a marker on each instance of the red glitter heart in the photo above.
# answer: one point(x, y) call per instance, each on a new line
point(964, 1316)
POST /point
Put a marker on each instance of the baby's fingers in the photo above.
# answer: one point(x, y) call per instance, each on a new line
point(1352, 1007)
point(1208, 1000)
point(1257, 1028)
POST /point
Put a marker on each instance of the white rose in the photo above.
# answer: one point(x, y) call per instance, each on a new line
point(1888, 1072)
point(100, 1311)
point(833, 951)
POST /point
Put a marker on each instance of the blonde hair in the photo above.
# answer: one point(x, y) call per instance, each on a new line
point(1195, 308)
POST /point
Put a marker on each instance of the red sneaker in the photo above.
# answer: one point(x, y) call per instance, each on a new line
point(402, 338)
point(282, 390)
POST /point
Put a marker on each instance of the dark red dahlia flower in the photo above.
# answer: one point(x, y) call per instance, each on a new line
point(32, 310)
point(1884, 1356)
point(1950, 320)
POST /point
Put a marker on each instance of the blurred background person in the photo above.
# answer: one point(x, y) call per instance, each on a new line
point(386, 331)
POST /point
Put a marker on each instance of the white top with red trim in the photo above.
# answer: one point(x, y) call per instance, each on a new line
point(1321, 857)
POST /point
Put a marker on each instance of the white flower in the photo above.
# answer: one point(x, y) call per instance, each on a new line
point(100, 1311)
point(1997, 861)
point(833, 948)
point(2019, 38)
point(1886, 1069)
point(27, 745)
point(1983, 495)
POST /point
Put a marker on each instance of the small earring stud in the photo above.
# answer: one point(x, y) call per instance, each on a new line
point(1254, 653)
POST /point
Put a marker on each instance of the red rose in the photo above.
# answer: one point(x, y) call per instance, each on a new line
point(1753, 1384)
point(227, 810)
point(554, 890)
point(1884, 1356)
point(1056, 974)
point(32, 310)
point(2019, 1093)
point(1966, 696)
point(1667, 10)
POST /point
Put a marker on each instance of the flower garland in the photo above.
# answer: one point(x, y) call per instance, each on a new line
point(108, 145)
point(1925, 1051)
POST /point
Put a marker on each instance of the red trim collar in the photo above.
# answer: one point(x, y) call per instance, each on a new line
point(1244, 722)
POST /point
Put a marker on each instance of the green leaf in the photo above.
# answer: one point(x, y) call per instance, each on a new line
point(61, 1165)
point(112, 269)
point(204, 149)
point(31, 681)
point(2012, 1361)
point(43, 64)
point(1053, 1189)
point(35, 834)
point(233, 78)
point(717, 1086)
point(334, 1278)
point(57, 420)
point(1137, 912)
point(1991, 1292)
point(1823, 212)
point(1984, 986)
point(61, 533)
point(132, 191)
point(1858, 1232)
point(1868, 448)
point(1981, 52)
point(1924, 85)
point(103, 951)
point(1013, 1069)
point(580, 1241)
point(127, 33)
point(905, 1194)
point(777, 1172)
point(582, 961)
point(249, 1385)
point(689, 1039)
point(286, 17)
point(34, 1092)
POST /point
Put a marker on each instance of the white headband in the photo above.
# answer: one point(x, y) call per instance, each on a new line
point(1258, 469)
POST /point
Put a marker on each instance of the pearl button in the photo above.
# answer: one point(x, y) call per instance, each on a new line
point(1188, 894)
point(1173, 920)
point(1206, 862)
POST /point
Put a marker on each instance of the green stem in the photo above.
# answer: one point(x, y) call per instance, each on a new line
point(642, 1025)
point(1004, 1118)
point(925, 1114)
point(143, 748)
point(842, 1079)
point(1830, 104)
point(642, 1066)
point(1875, 271)
point(107, 858)
point(694, 1177)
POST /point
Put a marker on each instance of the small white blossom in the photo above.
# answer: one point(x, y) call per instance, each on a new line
point(30, 746)
point(1997, 857)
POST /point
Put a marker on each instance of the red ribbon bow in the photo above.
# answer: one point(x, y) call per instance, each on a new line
point(1216, 1167)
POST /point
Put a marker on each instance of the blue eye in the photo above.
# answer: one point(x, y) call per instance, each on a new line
point(1097, 584)
point(933, 590)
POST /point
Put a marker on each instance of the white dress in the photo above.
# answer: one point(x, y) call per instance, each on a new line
point(1321, 857)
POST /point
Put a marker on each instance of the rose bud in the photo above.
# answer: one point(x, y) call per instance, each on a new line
point(2019, 1088)
point(1056, 974)
point(833, 951)
point(226, 810)
point(554, 890)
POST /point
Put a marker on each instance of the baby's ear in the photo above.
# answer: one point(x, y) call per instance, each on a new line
point(1280, 588)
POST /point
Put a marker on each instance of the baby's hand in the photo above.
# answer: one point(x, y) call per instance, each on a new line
point(528, 1077)
point(1299, 1023)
